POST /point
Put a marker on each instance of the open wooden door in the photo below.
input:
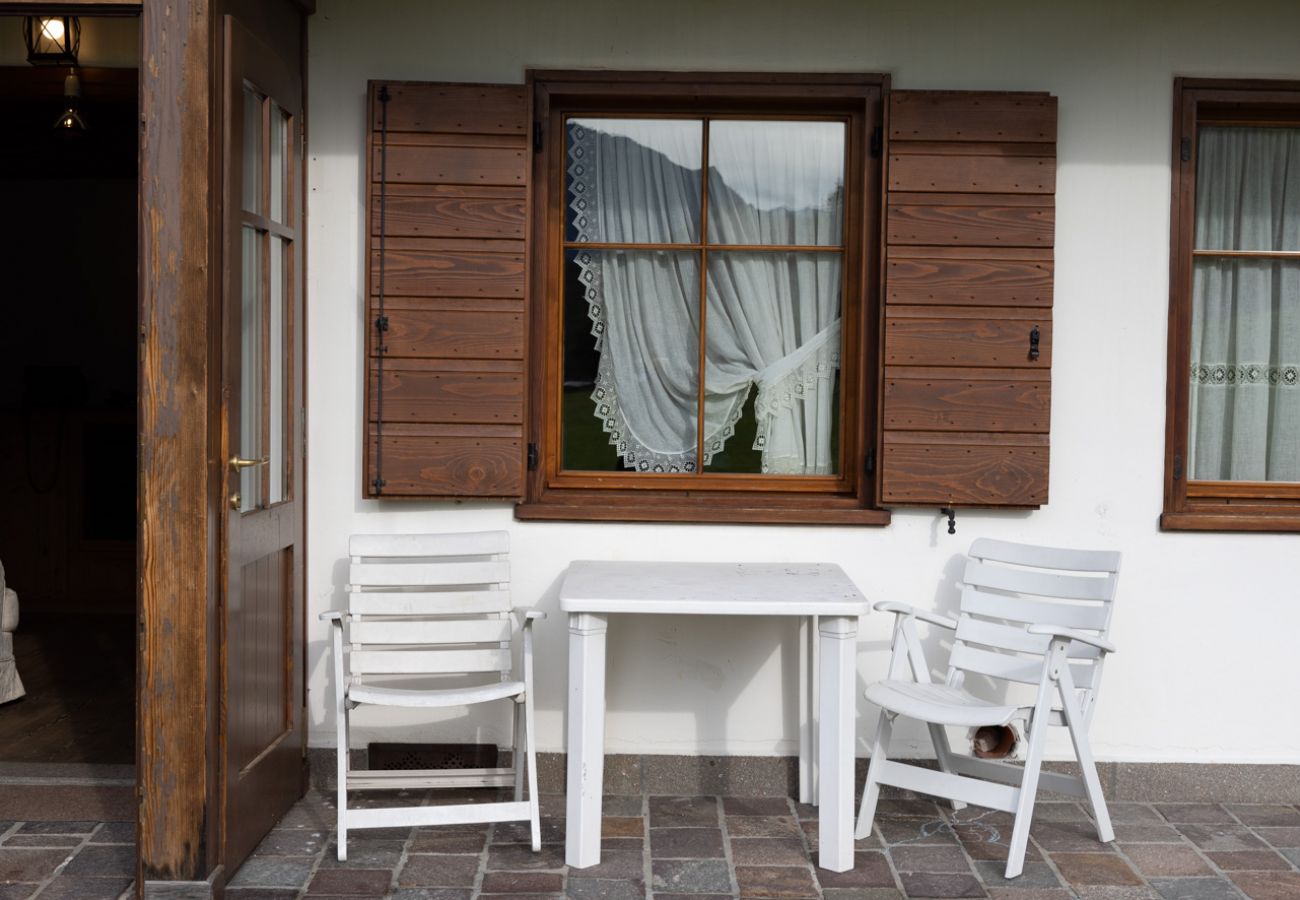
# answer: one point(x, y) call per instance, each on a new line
point(261, 666)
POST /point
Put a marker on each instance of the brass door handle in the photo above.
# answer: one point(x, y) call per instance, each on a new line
point(238, 463)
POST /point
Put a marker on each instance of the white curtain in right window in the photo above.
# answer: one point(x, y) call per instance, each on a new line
point(1245, 373)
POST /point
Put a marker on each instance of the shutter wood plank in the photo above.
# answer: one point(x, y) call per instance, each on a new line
point(445, 398)
point(969, 230)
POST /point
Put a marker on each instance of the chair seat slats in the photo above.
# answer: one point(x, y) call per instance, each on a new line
point(938, 703)
point(447, 631)
point(428, 603)
point(1043, 584)
point(482, 543)
point(428, 574)
point(1014, 637)
point(1046, 557)
point(1089, 617)
point(428, 662)
point(434, 699)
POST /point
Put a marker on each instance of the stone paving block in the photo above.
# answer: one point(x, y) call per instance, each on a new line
point(1247, 860)
point(79, 887)
point(1279, 837)
point(1268, 885)
point(64, 841)
point(16, 891)
point(1133, 813)
point(686, 843)
point(1115, 892)
point(1037, 875)
point(763, 826)
point(1194, 889)
point(1195, 813)
point(1166, 860)
point(1031, 894)
point(659, 895)
point(1059, 811)
point(439, 870)
point(287, 842)
point(677, 812)
point(935, 859)
point(1095, 868)
point(870, 871)
point(517, 896)
point(272, 871)
point(989, 843)
point(261, 894)
point(918, 884)
point(108, 859)
point(756, 806)
point(690, 876)
point(994, 817)
point(351, 883)
point(1147, 833)
point(22, 864)
point(622, 827)
point(552, 830)
point(1257, 815)
point(1070, 837)
point(767, 852)
point(373, 855)
point(427, 893)
point(902, 808)
point(520, 857)
point(603, 889)
point(57, 827)
point(1221, 838)
point(1292, 854)
point(621, 805)
point(776, 882)
point(879, 893)
point(619, 858)
point(522, 882)
point(915, 831)
point(450, 842)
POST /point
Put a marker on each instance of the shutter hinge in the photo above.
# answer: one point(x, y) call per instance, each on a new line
point(1185, 150)
point(1178, 467)
point(871, 460)
point(532, 457)
point(877, 140)
point(537, 137)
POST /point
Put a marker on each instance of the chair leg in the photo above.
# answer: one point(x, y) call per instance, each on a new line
point(533, 803)
point(343, 764)
point(519, 752)
point(1028, 791)
point(871, 790)
point(943, 753)
point(1087, 765)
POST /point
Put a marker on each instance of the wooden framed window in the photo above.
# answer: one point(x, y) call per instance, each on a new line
point(704, 266)
point(1232, 459)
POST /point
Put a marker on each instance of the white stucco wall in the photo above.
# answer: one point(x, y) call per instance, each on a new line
point(1206, 623)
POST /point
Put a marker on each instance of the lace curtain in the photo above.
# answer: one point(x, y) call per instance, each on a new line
point(772, 319)
point(1245, 392)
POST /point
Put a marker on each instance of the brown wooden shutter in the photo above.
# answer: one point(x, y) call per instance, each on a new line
point(446, 216)
point(970, 182)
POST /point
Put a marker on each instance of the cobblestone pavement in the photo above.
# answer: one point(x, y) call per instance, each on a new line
point(712, 847)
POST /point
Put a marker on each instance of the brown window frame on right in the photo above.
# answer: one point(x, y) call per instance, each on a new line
point(1213, 505)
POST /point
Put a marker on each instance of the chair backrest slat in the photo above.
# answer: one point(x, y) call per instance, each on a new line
point(1022, 669)
point(1011, 637)
point(1089, 617)
point(1062, 558)
point(429, 604)
point(1040, 584)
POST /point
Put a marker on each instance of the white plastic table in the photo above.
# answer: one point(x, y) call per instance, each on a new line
point(814, 592)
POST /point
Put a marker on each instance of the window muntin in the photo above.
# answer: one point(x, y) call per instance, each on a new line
point(729, 227)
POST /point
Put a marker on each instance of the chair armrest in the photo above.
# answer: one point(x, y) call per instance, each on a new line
point(333, 615)
point(902, 609)
point(526, 617)
point(1100, 643)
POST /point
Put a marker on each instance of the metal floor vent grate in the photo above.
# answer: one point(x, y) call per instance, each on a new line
point(431, 756)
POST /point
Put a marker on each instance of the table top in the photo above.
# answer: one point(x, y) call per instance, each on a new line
point(713, 589)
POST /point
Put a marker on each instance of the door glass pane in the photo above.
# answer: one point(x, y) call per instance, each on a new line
point(631, 360)
point(252, 161)
point(278, 388)
point(279, 163)
point(772, 359)
point(250, 370)
point(774, 182)
point(633, 181)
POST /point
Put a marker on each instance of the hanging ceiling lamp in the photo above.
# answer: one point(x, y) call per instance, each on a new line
point(52, 40)
point(70, 122)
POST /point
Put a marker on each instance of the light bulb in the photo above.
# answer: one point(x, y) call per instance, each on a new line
point(52, 29)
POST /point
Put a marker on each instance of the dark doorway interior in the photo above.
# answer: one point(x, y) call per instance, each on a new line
point(68, 339)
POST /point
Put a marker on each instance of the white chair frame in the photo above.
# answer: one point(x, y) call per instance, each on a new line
point(1034, 615)
point(433, 605)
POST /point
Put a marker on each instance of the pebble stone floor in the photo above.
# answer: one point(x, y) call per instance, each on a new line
point(701, 848)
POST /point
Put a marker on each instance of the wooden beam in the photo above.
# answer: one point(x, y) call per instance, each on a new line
point(71, 7)
point(178, 474)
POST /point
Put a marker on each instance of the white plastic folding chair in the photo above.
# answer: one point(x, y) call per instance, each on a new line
point(1035, 615)
point(434, 609)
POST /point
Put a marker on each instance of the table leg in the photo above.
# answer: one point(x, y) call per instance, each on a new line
point(808, 710)
point(838, 640)
point(586, 738)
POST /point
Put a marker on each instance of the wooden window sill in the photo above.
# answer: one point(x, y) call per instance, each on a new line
point(1274, 520)
point(686, 513)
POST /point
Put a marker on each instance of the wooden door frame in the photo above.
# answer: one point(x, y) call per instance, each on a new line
point(180, 513)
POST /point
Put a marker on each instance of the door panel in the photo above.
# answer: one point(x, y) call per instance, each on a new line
point(262, 640)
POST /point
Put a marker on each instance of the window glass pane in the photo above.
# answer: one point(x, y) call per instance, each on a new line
point(252, 160)
point(250, 370)
point(1244, 422)
point(278, 387)
point(774, 182)
point(772, 353)
point(633, 181)
point(631, 356)
point(279, 163)
point(1247, 188)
